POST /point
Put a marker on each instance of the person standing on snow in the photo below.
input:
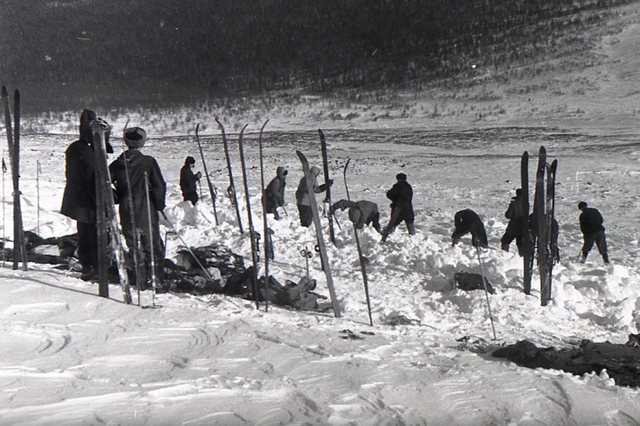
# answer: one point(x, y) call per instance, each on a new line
point(135, 198)
point(188, 181)
point(302, 196)
point(592, 231)
point(274, 192)
point(360, 213)
point(401, 196)
point(467, 221)
point(79, 198)
point(516, 226)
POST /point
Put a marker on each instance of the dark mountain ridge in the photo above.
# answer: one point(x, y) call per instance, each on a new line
point(78, 52)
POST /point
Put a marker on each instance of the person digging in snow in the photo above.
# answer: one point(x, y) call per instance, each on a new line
point(360, 213)
point(189, 180)
point(135, 197)
point(467, 221)
point(79, 198)
point(401, 196)
point(274, 192)
point(592, 231)
point(302, 196)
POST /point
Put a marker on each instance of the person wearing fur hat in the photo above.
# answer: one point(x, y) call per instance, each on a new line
point(189, 180)
point(591, 225)
point(79, 198)
point(302, 196)
point(133, 201)
point(274, 192)
point(361, 213)
point(401, 196)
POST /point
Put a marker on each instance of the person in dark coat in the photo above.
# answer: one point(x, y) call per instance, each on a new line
point(401, 196)
point(516, 226)
point(188, 181)
point(360, 213)
point(79, 198)
point(133, 201)
point(467, 221)
point(302, 196)
point(591, 225)
point(274, 192)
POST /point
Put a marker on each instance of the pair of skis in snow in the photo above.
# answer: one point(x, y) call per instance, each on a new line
point(13, 140)
point(540, 229)
point(253, 235)
point(318, 226)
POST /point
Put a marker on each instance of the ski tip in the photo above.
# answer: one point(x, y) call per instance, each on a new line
point(4, 91)
point(16, 94)
point(197, 127)
point(264, 125)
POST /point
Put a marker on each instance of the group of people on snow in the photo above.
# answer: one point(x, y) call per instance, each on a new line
point(139, 190)
point(591, 226)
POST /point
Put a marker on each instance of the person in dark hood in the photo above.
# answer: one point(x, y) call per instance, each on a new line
point(467, 221)
point(360, 213)
point(591, 225)
point(189, 180)
point(274, 192)
point(515, 228)
point(79, 198)
point(302, 196)
point(133, 200)
point(401, 196)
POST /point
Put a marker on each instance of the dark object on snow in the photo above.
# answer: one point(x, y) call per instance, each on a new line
point(236, 280)
point(468, 281)
point(468, 221)
point(622, 362)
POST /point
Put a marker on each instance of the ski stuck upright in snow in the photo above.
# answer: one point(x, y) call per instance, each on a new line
point(212, 190)
point(268, 246)
point(327, 200)
point(231, 190)
point(322, 249)
point(363, 261)
point(13, 140)
point(252, 233)
point(107, 219)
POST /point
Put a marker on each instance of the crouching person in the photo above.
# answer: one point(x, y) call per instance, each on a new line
point(467, 221)
point(361, 213)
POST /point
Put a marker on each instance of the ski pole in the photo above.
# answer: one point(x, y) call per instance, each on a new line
point(38, 197)
point(486, 293)
point(4, 170)
point(150, 241)
point(307, 255)
point(136, 234)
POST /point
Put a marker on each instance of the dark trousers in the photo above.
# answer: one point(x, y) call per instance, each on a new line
point(514, 231)
point(306, 215)
point(146, 246)
point(88, 245)
point(190, 196)
point(601, 242)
